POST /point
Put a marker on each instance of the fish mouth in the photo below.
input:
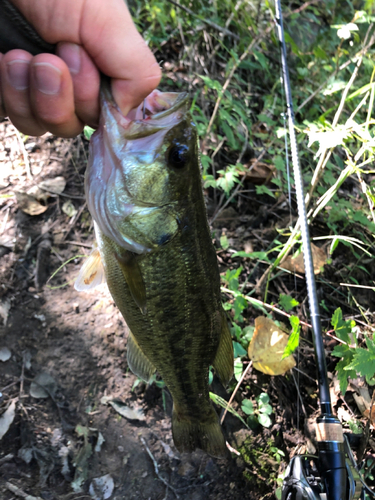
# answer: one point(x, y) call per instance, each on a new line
point(159, 111)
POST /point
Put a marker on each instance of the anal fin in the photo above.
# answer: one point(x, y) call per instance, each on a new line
point(138, 363)
point(224, 360)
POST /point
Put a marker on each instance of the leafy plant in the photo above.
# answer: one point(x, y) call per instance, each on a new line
point(259, 413)
point(355, 360)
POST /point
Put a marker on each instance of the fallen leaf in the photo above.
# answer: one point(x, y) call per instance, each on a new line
point(7, 418)
point(126, 411)
point(99, 442)
point(258, 172)
point(267, 347)
point(43, 386)
point(101, 488)
point(81, 459)
point(297, 265)
point(4, 310)
point(29, 204)
point(5, 354)
point(69, 209)
point(54, 186)
point(366, 414)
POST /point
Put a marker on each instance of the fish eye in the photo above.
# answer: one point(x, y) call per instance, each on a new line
point(178, 156)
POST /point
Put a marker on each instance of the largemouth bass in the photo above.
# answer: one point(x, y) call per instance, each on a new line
point(144, 192)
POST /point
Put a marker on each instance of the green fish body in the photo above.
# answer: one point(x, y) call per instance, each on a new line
point(144, 192)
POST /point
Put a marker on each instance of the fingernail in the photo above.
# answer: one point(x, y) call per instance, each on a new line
point(47, 78)
point(18, 74)
point(71, 54)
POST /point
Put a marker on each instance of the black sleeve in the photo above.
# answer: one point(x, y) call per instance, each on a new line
point(17, 33)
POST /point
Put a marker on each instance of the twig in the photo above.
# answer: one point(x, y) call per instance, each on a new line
point(235, 391)
point(299, 395)
point(20, 493)
point(7, 458)
point(78, 243)
point(156, 467)
point(206, 21)
point(24, 154)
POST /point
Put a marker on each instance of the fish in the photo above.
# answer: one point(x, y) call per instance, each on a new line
point(154, 249)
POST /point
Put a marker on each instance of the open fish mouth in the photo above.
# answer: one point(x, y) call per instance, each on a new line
point(158, 111)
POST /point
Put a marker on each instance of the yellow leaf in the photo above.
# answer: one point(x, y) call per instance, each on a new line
point(267, 347)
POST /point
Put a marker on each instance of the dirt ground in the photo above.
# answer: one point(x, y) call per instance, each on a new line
point(59, 444)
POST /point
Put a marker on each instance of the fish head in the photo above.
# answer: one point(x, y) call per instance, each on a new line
point(140, 163)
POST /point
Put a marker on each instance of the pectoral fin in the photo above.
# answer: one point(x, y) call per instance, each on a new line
point(133, 277)
point(137, 361)
point(224, 362)
point(91, 274)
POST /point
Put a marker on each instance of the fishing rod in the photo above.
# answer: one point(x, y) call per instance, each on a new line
point(333, 474)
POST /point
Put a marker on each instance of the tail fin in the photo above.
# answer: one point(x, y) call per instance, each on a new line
point(189, 435)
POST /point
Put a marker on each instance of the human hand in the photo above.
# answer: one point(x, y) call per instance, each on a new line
point(60, 93)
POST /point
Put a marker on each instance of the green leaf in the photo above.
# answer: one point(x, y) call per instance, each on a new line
point(247, 407)
point(363, 362)
point(239, 351)
point(264, 420)
point(88, 131)
point(238, 368)
point(264, 190)
point(224, 404)
point(342, 328)
point(267, 409)
point(224, 243)
point(287, 302)
point(263, 398)
point(240, 303)
point(293, 340)
point(252, 255)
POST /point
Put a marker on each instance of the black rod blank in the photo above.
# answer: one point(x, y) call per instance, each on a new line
point(324, 396)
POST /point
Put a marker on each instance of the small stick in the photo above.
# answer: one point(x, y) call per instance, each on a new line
point(20, 493)
point(24, 154)
point(156, 467)
point(235, 391)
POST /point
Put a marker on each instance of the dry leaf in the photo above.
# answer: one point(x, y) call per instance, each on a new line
point(126, 411)
point(54, 186)
point(366, 414)
point(69, 209)
point(267, 348)
point(101, 488)
point(29, 204)
point(296, 265)
point(43, 386)
point(5, 354)
point(7, 418)
point(258, 172)
point(4, 310)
